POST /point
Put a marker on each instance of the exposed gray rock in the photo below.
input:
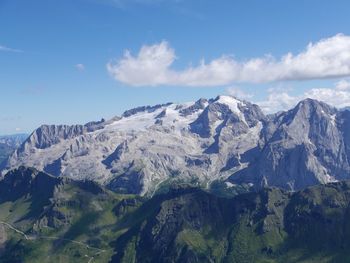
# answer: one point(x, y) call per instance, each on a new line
point(218, 139)
point(149, 109)
point(198, 105)
point(303, 146)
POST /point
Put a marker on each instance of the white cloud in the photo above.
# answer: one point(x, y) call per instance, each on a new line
point(342, 85)
point(152, 66)
point(277, 101)
point(8, 49)
point(80, 67)
point(337, 96)
point(239, 93)
point(18, 129)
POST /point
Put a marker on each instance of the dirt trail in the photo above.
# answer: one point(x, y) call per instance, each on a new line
point(33, 238)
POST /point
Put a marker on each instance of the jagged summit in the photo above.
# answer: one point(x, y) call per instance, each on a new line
point(230, 101)
point(217, 140)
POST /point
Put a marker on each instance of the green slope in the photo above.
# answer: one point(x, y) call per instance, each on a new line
point(65, 221)
point(48, 219)
point(268, 226)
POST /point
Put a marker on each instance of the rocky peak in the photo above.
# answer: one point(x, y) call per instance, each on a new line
point(306, 121)
point(309, 109)
point(227, 111)
point(95, 125)
point(134, 111)
point(198, 105)
point(207, 121)
point(47, 135)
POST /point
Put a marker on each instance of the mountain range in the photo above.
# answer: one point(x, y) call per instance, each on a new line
point(220, 143)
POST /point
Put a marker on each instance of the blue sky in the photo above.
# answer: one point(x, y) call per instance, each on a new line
point(54, 55)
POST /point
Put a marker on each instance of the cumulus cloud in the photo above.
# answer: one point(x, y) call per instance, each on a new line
point(80, 67)
point(343, 85)
point(277, 101)
point(152, 66)
point(8, 49)
point(337, 96)
point(239, 93)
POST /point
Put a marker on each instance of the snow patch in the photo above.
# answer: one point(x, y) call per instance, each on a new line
point(333, 119)
point(233, 103)
point(229, 184)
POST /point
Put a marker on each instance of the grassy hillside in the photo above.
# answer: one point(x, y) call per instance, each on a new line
point(63, 220)
point(48, 219)
point(268, 226)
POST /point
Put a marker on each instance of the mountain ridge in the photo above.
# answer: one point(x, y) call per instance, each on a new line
point(223, 139)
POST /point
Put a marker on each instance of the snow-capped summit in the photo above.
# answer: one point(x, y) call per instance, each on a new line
point(231, 102)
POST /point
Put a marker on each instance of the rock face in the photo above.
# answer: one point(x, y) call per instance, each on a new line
point(223, 139)
point(303, 146)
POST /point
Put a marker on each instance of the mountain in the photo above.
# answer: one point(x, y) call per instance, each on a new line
point(216, 143)
point(306, 145)
point(55, 219)
point(9, 143)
